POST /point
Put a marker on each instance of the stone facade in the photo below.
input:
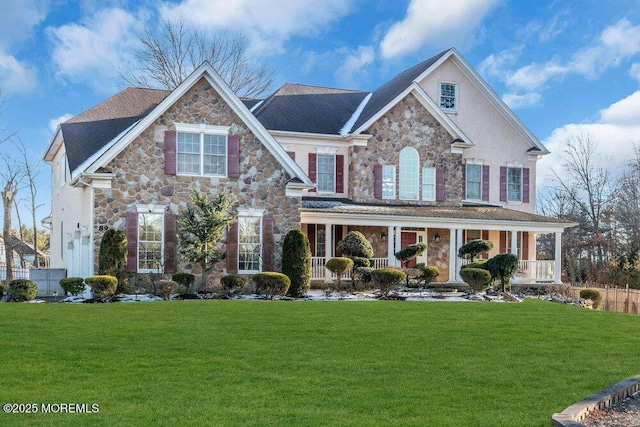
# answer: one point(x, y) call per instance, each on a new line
point(140, 178)
point(407, 124)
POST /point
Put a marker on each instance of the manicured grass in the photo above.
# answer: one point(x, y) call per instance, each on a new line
point(271, 363)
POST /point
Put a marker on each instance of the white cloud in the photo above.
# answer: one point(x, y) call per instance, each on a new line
point(350, 73)
point(16, 76)
point(53, 123)
point(267, 26)
point(428, 22)
point(515, 101)
point(498, 64)
point(18, 18)
point(534, 76)
point(615, 133)
point(94, 51)
point(634, 71)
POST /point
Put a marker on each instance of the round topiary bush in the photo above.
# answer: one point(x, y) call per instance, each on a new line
point(474, 248)
point(339, 265)
point(72, 285)
point(22, 290)
point(271, 283)
point(476, 264)
point(427, 274)
point(354, 244)
point(478, 279)
point(184, 279)
point(103, 286)
point(387, 278)
point(360, 262)
point(166, 288)
point(296, 262)
point(592, 294)
point(232, 283)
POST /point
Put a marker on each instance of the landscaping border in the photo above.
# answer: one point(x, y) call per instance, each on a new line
point(574, 414)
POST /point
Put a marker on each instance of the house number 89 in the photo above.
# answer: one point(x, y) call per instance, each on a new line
point(103, 227)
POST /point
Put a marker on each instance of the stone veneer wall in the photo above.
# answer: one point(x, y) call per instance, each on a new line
point(140, 178)
point(408, 124)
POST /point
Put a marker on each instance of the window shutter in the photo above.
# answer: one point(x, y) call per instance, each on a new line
point(525, 245)
point(170, 237)
point(292, 154)
point(485, 183)
point(132, 241)
point(485, 236)
point(464, 236)
point(339, 173)
point(503, 242)
point(311, 234)
point(233, 166)
point(503, 183)
point(267, 244)
point(170, 152)
point(440, 185)
point(232, 249)
point(377, 181)
point(525, 185)
point(464, 182)
point(313, 164)
point(337, 233)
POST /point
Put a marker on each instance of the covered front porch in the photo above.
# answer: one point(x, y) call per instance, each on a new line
point(443, 229)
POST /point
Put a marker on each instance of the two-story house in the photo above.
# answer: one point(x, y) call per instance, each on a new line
point(432, 156)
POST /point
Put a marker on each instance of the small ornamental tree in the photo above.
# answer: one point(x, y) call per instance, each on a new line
point(502, 267)
point(113, 255)
point(296, 262)
point(184, 279)
point(354, 244)
point(407, 254)
point(427, 274)
point(473, 248)
point(201, 226)
point(339, 266)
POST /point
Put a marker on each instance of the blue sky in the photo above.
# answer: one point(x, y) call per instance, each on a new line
point(566, 68)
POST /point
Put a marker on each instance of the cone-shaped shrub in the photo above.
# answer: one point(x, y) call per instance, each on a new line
point(296, 262)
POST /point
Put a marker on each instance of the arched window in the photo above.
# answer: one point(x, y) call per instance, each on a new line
point(409, 174)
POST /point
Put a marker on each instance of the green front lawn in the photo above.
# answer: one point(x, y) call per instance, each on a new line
point(261, 363)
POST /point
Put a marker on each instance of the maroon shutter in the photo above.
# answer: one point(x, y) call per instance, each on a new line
point(339, 173)
point(232, 249)
point(485, 236)
point(313, 164)
point(503, 242)
point(170, 237)
point(525, 185)
point(233, 167)
point(525, 245)
point(311, 235)
point(132, 241)
point(464, 182)
point(267, 244)
point(485, 183)
point(292, 154)
point(377, 181)
point(337, 236)
point(170, 152)
point(440, 185)
point(503, 183)
point(464, 237)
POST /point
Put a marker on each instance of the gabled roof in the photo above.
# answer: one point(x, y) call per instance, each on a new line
point(309, 109)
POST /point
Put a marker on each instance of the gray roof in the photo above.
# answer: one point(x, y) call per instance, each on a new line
point(86, 133)
point(309, 109)
point(488, 213)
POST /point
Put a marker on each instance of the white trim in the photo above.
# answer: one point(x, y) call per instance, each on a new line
point(474, 162)
point(253, 214)
point(201, 128)
point(356, 114)
point(302, 138)
point(456, 96)
point(150, 208)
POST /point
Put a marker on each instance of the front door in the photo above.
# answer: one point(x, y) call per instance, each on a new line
point(408, 238)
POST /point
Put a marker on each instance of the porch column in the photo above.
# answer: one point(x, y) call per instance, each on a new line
point(390, 253)
point(398, 246)
point(328, 238)
point(458, 246)
point(514, 243)
point(452, 255)
point(558, 258)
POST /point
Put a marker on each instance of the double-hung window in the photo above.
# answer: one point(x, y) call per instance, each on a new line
point(388, 182)
point(326, 173)
point(449, 96)
point(429, 184)
point(202, 151)
point(514, 184)
point(150, 242)
point(474, 182)
point(409, 174)
point(249, 244)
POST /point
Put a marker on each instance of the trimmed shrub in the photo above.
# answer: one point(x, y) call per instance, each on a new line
point(410, 252)
point(112, 256)
point(232, 283)
point(474, 248)
point(478, 279)
point(476, 264)
point(592, 294)
point(72, 285)
point(296, 262)
point(22, 290)
point(166, 288)
point(339, 266)
point(503, 267)
point(360, 261)
point(271, 283)
point(387, 278)
point(363, 276)
point(427, 274)
point(184, 279)
point(354, 244)
point(104, 286)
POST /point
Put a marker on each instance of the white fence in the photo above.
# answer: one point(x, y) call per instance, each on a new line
point(18, 273)
point(318, 272)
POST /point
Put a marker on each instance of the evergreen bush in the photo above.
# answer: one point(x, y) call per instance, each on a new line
point(22, 290)
point(232, 284)
point(354, 244)
point(271, 283)
point(72, 285)
point(410, 252)
point(592, 294)
point(184, 279)
point(166, 288)
point(360, 261)
point(296, 262)
point(112, 256)
point(474, 248)
point(478, 279)
point(362, 275)
point(339, 266)
point(387, 278)
point(502, 267)
point(103, 285)
point(427, 274)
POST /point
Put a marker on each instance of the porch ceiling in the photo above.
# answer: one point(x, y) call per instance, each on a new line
point(473, 217)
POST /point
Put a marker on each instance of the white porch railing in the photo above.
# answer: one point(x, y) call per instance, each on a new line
point(318, 272)
point(530, 271)
point(18, 273)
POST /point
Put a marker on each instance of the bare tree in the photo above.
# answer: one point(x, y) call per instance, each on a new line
point(30, 174)
point(11, 176)
point(166, 57)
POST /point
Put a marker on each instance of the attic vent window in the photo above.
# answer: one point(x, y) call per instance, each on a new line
point(448, 96)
